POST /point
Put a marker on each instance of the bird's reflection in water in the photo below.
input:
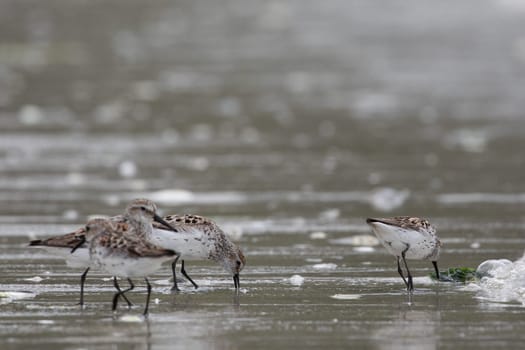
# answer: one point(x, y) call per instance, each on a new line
point(409, 329)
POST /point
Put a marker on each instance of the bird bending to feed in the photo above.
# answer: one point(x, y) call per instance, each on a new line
point(407, 237)
point(123, 252)
point(74, 246)
point(198, 238)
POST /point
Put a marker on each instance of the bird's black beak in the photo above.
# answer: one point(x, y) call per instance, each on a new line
point(236, 281)
point(79, 244)
point(162, 221)
point(373, 221)
point(436, 268)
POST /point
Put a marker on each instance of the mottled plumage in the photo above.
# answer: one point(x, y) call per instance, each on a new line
point(125, 253)
point(199, 238)
point(63, 245)
point(74, 246)
point(407, 237)
point(122, 251)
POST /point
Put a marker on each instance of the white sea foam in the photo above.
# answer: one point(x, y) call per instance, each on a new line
point(346, 296)
point(502, 280)
point(7, 296)
point(34, 279)
point(296, 280)
point(387, 199)
point(325, 266)
point(318, 235)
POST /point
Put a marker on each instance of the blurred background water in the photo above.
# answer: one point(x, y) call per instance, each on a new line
point(289, 123)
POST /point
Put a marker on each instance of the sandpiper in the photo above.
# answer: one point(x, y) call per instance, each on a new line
point(123, 252)
point(198, 238)
point(407, 237)
point(74, 246)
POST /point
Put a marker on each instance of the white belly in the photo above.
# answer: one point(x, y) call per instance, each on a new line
point(78, 259)
point(416, 245)
point(127, 267)
point(191, 244)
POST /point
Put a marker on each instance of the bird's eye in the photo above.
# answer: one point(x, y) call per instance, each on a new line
point(143, 208)
point(238, 263)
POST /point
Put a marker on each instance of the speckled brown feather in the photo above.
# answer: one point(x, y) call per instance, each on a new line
point(407, 222)
point(218, 243)
point(183, 220)
point(69, 240)
point(118, 240)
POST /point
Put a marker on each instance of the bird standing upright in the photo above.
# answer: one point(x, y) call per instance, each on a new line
point(407, 237)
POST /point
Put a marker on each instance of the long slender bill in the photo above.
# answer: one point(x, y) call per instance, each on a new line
point(236, 281)
point(162, 221)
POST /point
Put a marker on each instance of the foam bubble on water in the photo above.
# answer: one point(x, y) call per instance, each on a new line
point(127, 169)
point(31, 115)
point(346, 296)
point(502, 280)
point(34, 279)
point(494, 268)
point(163, 282)
point(318, 235)
point(468, 140)
point(325, 266)
point(131, 318)
point(364, 249)
point(70, 215)
point(46, 322)
point(330, 214)
point(296, 280)
point(475, 245)
point(387, 199)
point(6, 297)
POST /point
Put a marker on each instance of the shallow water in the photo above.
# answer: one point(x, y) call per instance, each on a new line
point(288, 123)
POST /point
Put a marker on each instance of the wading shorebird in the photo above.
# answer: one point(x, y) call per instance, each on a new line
point(74, 246)
point(198, 238)
point(407, 237)
point(123, 252)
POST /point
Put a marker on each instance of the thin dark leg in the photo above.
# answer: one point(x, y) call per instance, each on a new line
point(401, 272)
point(120, 292)
point(173, 265)
point(436, 268)
point(82, 281)
point(147, 298)
point(236, 281)
point(410, 283)
point(130, 304)
point(183, 271)
point(115, 297)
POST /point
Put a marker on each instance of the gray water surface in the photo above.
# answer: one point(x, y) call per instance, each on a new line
point(288, 123)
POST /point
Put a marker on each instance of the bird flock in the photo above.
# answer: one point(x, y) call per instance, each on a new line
point(137, 243)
